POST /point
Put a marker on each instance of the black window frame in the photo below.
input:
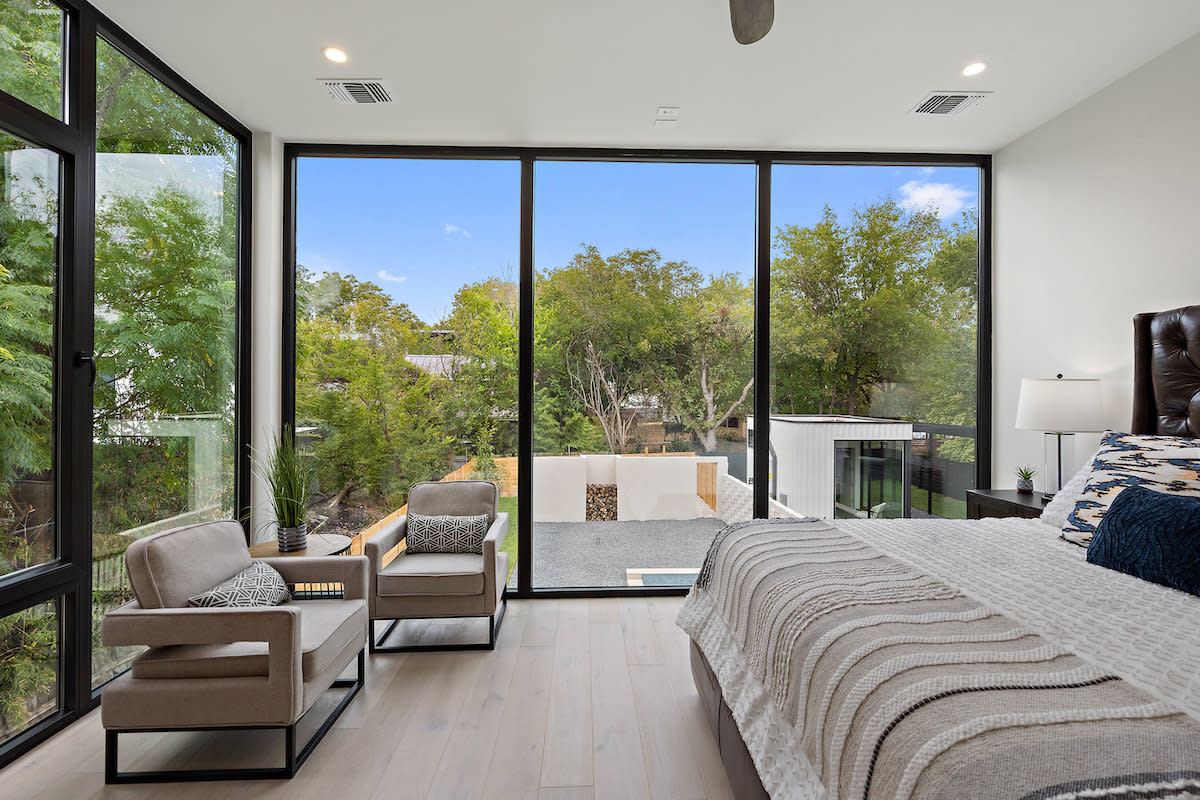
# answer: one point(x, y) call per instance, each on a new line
point(763, 160)
point(67, 578)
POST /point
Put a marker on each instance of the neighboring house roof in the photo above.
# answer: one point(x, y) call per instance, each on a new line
point(440, 365)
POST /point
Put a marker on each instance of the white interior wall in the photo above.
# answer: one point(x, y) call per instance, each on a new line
point(266, 323)
point(1096, 219)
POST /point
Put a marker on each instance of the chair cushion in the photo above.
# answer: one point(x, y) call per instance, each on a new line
point(446, 533)
point(464, 498)
point(326, 628)
point(432, 574)
point(169, 567)
point(257, 585)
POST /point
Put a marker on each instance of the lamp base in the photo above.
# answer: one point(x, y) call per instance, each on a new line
point(1059, 450)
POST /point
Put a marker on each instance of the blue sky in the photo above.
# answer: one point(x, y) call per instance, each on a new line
point(421, 228)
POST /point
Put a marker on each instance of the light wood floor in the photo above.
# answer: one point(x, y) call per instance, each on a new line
point(580, 699)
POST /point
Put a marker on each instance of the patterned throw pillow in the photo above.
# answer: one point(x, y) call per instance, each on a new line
point(446, 534)
point(257, 585)
point(1167, 464)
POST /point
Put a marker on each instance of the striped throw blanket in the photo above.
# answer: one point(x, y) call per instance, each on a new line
point(948, 659)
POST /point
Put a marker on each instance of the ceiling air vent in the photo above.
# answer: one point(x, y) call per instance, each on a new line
point(357, 91)
point(948, 103)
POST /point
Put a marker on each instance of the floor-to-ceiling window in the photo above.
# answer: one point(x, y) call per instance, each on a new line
point(643, 367)
point(31, 226)
point(143, 317)
point(874, 329)
point(647, 282)
point(406, 325)
point(29, 223)
point(164, 440)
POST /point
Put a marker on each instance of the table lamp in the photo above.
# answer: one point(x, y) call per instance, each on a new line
point(1059, 407)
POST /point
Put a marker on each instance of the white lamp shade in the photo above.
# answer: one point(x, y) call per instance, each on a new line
point(1060, 405)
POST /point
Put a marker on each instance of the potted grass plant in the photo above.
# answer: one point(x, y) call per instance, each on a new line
point(289, 479)
point(1025, 479)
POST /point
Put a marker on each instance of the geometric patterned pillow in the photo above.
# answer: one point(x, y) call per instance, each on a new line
point(1167, 464)
point(446, 534)
point(257, 585)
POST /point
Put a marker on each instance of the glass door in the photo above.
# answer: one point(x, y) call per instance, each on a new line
point(29, 538)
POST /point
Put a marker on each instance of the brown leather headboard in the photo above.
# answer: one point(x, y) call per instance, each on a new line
point(1166, 372)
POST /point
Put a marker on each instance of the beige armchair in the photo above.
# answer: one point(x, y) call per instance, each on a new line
point(225, 668)
point(424, 585)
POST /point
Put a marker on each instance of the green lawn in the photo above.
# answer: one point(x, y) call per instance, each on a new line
point(943, 506)
point(509, 504)
point(949, 507)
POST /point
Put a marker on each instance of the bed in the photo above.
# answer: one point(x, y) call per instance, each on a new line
point(945, 659)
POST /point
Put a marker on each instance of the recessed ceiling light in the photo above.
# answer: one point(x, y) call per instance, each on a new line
point(973, 69)
point(335, 54)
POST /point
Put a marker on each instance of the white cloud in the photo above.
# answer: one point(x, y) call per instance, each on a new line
point(943, 198)
point(454, 230)
point(384, 275)
point(927, 170)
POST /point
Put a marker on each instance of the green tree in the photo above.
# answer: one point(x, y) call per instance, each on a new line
point(28, 665)
point(604, 325)
point(26, 336)
point(375, 419)
point(483, 363)
point(560, 427)
point(164, 287)
point(709, 374)
point(31, 53)
point(848, 305)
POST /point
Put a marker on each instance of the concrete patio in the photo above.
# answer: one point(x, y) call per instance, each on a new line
point(590, 554)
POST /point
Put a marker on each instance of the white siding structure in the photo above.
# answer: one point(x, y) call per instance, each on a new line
point(804, 455)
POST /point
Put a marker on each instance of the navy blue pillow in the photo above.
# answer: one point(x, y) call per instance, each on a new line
point(1152, 536)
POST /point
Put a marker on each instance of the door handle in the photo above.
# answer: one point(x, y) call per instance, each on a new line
point(86, 358)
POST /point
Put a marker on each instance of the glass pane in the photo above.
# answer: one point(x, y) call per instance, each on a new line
point(28, 668)
point(873, 340)
point(406, 333)
point(166, 243)
point(643, 368)
point(31, 53)
point(28, 266)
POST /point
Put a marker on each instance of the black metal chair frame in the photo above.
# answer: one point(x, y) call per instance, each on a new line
point(293, 760)
point(494, 623)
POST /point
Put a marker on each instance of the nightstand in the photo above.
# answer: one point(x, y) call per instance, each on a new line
point(1003, 503)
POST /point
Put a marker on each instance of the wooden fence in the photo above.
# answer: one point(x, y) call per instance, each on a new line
point(706, 482)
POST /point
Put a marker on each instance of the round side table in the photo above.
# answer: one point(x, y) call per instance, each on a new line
point(319, 544)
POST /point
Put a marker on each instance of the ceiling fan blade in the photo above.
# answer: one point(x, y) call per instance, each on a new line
point(751, 19)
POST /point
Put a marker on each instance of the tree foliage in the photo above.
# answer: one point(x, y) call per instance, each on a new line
point(27, 256)
point(633, 329)
point(31, 61)
point(374, 418)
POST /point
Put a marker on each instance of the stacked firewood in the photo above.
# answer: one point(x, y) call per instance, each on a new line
point(601, 502)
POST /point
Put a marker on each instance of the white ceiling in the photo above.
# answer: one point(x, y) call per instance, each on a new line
point(831, 75)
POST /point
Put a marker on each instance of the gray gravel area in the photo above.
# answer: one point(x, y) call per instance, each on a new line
point(587, 554)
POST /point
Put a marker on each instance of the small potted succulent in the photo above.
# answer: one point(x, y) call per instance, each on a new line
point(1025, 479)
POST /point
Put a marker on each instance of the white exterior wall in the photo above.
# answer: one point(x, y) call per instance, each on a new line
point(804, 449)
point(559, 489)
point(656, 488)
point(601, 469)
